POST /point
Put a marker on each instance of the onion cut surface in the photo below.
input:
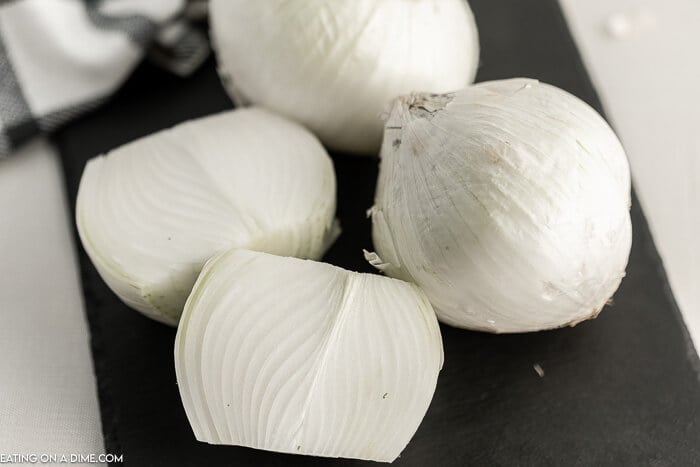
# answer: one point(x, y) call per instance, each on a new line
point(303, 357)
point(152, 212)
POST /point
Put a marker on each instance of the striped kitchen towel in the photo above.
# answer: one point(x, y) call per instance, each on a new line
point(62, 58)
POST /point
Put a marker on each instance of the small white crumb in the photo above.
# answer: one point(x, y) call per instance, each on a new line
point(618, 26)
point(625, 25)
point(538, 369)
point(645, 19)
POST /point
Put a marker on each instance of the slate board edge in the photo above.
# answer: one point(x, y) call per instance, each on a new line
point(693, 356)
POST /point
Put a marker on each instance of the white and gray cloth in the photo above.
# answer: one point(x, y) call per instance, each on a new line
point(62, 58)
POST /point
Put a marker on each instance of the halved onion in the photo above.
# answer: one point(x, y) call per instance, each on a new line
point(150, 213)
point(302, 357)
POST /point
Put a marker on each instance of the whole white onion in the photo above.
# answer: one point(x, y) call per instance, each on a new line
point(151, 212)
point(507, 202)
point(334, 65)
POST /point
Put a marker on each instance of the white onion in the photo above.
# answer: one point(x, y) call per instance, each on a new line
point(334, 65)
point(150, 213)
point(302, 357)
point(507, 202)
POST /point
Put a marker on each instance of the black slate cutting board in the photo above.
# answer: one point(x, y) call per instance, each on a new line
point(623, 389)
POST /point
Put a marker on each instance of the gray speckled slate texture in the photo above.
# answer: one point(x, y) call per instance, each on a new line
point(620, 390)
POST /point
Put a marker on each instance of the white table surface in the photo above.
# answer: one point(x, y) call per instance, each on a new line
point(643, 57)
point(48, 401)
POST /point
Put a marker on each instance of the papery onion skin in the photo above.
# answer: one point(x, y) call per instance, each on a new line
point(152, 212)
point(506, 202)
point(334, 65)
point(302, 357)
